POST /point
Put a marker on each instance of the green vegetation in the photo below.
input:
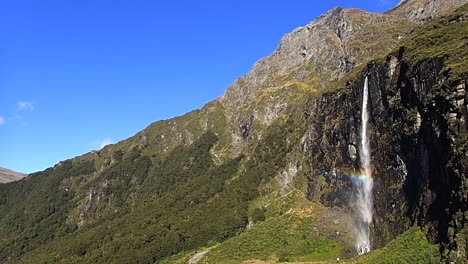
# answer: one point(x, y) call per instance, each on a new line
point(34, 210)
point(458, 232)
point(159, 227)
point(444, 38)
point(274, 204)
point(410, 247)
point(140, 211)
point(377, 37)
point(287, 237)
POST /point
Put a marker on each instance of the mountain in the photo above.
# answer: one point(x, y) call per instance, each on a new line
point(421, 11)
point(308, 59)
point(268, 172)
point(7, 175)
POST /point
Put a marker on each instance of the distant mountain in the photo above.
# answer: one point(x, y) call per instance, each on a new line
point(7, 175)
point(266, 172)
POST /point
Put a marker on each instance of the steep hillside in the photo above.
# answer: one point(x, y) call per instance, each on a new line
point(419, 145)
point(305, 61)
point(263, 173)
point(418, 134)
point(7, 175)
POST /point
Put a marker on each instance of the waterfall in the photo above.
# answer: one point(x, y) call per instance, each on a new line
point(364, 185)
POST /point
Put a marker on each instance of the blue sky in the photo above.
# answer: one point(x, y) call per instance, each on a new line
point(78, 74)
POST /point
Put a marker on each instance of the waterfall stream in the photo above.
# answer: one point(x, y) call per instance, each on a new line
point(364, 186)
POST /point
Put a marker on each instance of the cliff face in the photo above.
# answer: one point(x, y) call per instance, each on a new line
point(418, 134)
point(418, 124)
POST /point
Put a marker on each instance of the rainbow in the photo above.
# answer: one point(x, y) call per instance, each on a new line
point(362, 176)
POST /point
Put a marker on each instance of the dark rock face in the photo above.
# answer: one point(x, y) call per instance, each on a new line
point(417, 122)
point(246, 127)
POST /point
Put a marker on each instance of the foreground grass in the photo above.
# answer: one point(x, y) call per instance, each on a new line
point(410, 247)
point(276, 239)
point(270, 242)
point(296, 235)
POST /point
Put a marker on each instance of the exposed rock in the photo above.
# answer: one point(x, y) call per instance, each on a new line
point(285, 178)
point(93, 199)
point(413, 127)
point(197, 257)
point(246, 127)
point(327, 48)
point(352, 152)
point(393, 64)
point(421, 11)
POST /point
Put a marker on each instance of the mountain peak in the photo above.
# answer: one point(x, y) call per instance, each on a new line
point(421, 11)
point(320, 52)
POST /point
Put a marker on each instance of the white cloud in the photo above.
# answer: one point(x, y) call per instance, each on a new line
point(2, 120)
point(102, 143)
point(105, 142)
point(25, 105)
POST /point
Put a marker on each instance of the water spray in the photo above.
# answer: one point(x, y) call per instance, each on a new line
point(364, 187)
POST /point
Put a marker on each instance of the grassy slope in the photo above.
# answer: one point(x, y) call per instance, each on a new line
point(410, 247)
point(291, 237)
point(295, 230)
point(7, 175)
point(442, 38)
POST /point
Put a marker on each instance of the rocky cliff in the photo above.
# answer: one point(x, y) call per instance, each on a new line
point(418, 130)
point(308, 59)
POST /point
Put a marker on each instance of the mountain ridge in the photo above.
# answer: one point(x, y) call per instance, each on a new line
point(322, 46)
point(260, 80)
point(422, 11)
point(7, 175)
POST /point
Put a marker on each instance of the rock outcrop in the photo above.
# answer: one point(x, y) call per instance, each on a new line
point(421, 11)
